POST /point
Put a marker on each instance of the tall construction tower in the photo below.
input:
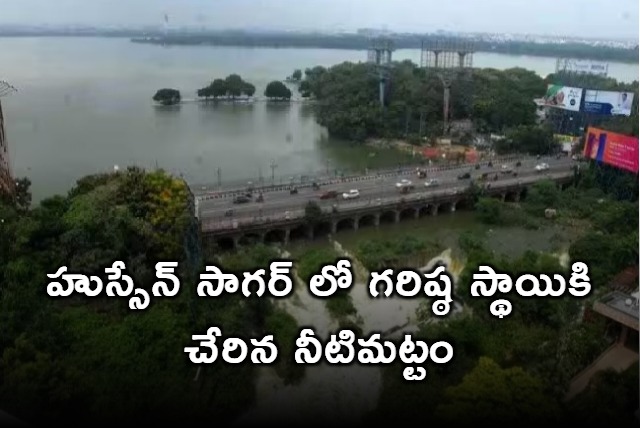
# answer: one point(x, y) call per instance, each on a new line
point(7, 183)
point(379, 53)
point(448, 57)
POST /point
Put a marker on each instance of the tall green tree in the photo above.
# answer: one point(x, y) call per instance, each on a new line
point(491, 395)
point(278, 90)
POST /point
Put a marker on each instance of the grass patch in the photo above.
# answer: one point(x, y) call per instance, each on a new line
point(285, 331)
point(377, 254)
point(340, 305)
point(248, 258)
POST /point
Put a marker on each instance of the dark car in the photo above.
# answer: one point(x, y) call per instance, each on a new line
point(293, 191)
point(477, 166)
point(464, 176)
point(518, 163)
point(241, 199)
point(331, 194)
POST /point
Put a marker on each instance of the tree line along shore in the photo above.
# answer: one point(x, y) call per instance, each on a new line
point(408, 41)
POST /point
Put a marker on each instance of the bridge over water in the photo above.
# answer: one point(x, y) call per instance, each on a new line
point(355, 214)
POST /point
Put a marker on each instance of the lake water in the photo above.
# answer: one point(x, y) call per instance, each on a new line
point(84, 105)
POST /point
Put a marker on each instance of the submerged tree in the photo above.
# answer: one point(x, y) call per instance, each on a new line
point(277, 89)
point(167, 96)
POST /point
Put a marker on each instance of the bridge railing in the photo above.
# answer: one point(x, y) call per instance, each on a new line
point(323, 179)
point(213, 224)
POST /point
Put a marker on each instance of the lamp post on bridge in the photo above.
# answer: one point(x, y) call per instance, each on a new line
point(219, 178)
point(273, 166)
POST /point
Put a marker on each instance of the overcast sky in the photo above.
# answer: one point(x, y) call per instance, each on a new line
point(587, 18)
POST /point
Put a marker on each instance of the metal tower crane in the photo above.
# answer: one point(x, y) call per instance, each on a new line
point(379, 53)
point(7, 183)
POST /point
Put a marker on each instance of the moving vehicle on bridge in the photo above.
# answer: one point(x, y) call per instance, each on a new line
point(241, 199)
point(351, 194)
point(432, 183)
point(404, 184)
point(542, 167)
point(464, 176)
point(329, 194)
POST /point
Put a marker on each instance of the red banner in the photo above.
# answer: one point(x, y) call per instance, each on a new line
point(430, 152)
point(618, 150)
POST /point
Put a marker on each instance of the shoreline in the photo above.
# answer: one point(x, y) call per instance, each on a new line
point(359, 47)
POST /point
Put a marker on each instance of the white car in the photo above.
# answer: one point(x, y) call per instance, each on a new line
point(506, 169)
point(431, 183)
point(351, 194)
point(404, 183)
point(542, 167)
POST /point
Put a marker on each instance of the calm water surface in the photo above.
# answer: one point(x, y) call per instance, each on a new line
point(84, 106)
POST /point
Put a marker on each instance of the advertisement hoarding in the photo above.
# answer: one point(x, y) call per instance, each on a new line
point(611, 148)
point(608, 103)
point(430, 152)
point(582, 67)
point(564, 97)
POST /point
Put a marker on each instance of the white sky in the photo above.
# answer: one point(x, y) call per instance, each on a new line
point(585, 18)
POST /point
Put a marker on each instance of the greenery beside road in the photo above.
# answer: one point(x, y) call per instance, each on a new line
point(501, 102)
point(401, 252)
point(92, 359)
point(96, 360)
point(604, 200)
point(310, 263)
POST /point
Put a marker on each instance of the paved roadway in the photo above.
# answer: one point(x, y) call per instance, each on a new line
point(305, 180)
point(282, 201)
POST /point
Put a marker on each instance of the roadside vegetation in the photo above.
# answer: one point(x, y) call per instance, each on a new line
point(310, 263)
point(496, 101)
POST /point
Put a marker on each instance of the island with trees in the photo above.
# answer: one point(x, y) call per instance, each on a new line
point(167, 96)
point(277, 91)
point(295, 77)
point(230, 88)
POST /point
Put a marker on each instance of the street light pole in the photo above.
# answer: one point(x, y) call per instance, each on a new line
point(273, 166)
point(219, 178)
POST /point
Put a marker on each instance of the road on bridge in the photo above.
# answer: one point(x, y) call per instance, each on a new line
point(277, 204)
point(305, 179)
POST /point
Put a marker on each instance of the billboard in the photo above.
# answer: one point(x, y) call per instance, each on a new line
point(471, 156)
point(564, 97)
point(582, 67)
point(430, 152)
point(611, 148)
point(608, 103)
